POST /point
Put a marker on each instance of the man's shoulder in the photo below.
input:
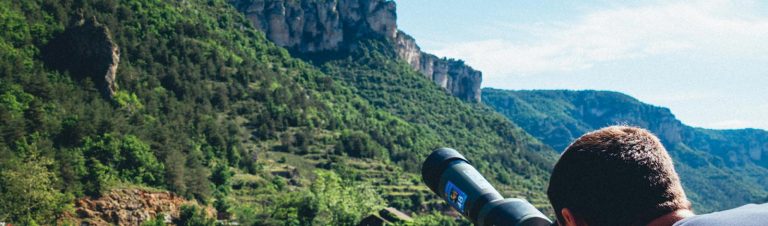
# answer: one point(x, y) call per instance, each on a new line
point(750, 214)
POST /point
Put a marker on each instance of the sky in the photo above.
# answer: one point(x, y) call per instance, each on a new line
point(707, 61)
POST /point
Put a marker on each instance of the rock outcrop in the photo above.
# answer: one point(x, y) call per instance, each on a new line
point(455, 76)
point(312, 26)
point(86, 50)
point(127, 207)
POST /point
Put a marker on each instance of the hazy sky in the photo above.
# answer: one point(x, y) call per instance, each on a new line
point(705, 60)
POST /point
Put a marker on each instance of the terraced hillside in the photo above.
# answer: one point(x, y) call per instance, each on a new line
point(189, 97)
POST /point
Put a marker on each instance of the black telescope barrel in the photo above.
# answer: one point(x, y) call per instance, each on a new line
point(450, 175)
point(436, 163)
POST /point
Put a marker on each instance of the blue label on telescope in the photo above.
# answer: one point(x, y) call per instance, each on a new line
point(455, 196)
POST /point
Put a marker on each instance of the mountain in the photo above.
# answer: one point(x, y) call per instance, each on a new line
point(363, 49)
point(719, 168)
point(325, 28)
point(190, 97)
point(357, 41)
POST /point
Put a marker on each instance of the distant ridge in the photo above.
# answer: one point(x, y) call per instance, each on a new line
point(719, 168)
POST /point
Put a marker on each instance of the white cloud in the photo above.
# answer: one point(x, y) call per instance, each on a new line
point(719, 28)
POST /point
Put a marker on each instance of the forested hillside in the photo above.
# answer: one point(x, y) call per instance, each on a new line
point(501, 149)
point(719, 168)
point(188, 97)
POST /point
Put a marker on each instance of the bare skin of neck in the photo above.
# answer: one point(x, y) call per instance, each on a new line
point(671, 218)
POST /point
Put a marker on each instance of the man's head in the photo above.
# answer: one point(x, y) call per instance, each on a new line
point(617, 175)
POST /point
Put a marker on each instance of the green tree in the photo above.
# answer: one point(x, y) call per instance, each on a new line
point(220, 177)
point(176, 171)
point(341, 202)
point(196, 176)
point(221, 174)
point(192, 215)
point(27, 190)
point(139, 163)
point(158, 221)
point(358, 144)
point(113, 157)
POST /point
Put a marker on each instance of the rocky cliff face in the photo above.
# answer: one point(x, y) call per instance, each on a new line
point(128, 207)
point(455, 76)
point(311, 26)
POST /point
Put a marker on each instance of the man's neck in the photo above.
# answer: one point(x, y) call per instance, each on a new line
point(670, 218)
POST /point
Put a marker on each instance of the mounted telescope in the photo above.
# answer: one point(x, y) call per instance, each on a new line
point(449, 175)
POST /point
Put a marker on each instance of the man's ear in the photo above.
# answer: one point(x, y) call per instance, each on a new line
point(570, 219)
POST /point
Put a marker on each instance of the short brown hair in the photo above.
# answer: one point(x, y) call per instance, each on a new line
point(617, 175)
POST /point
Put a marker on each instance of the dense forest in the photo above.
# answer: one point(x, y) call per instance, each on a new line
point(202, 105)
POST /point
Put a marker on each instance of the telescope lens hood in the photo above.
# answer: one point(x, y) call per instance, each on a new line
point(436, 163)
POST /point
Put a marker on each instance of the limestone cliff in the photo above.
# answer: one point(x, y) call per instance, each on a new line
point(311, 26)
point(128, 207)
point(455, 76)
